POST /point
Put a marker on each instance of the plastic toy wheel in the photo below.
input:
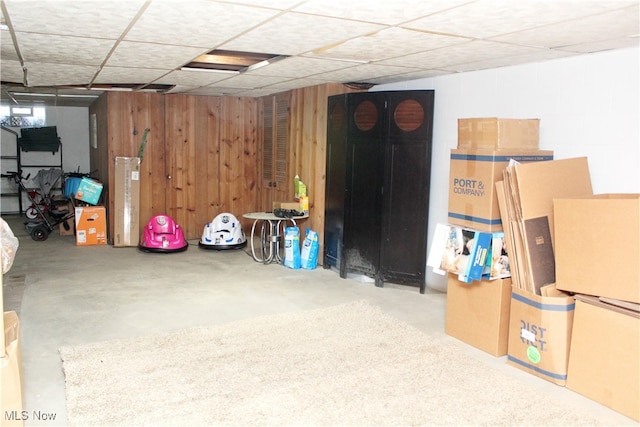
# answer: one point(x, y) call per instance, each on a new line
point(31, 213)
point(39, 233)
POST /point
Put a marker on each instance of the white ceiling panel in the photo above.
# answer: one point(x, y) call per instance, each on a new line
point(63, 49)
point(484, 19)
point(460, 54)
point(7, 50)
point(46, 74)
point(87, 18)
point(65, 42)
point(379, 11)
point(389, 43)
point(134, 54)
point(125, 75)
point(193, 78)
point(301, 66)
point(605, 26)
point(307, 34)
point(200, 23)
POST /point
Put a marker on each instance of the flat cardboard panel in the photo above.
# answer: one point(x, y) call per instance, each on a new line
point(11, 401)
point(603, 228)
point(540, 334)
point(127, 202)
point(498, 134)
point(473, 173)
point(478, 313)
point(91, 225)
point(605, 353)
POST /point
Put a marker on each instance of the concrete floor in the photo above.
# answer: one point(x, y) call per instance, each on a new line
point(66, 294)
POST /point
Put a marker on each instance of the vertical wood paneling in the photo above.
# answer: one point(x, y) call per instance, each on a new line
point(239, 169)
point(127, 116)
point(308, 147)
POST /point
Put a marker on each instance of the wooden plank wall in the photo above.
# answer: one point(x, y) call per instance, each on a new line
point(308, 142)
point(210, 149)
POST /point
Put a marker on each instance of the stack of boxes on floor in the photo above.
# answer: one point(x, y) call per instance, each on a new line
point(566, 308)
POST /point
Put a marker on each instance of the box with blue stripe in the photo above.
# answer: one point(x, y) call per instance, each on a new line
point(540, 333)
point(473, 202)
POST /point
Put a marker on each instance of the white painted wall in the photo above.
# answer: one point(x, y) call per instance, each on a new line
point(587, 106)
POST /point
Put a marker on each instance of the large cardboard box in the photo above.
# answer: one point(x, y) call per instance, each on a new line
point(91, 225)
point(597, 245)
point(472, 195)
point(11, 401)
point(478, 313)
point(540, 334)
point(604, 364)
point(493, 133)
point(127, 202)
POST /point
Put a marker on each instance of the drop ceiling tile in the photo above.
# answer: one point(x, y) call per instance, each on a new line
point(249, 81)
point(364, 72)
point(63, 49)
point(388, 43)
point(382, 12)
point(542, 55)
point(7, 50)
point(257, 93)
point(272, 4)
point(620, 23)
point(215, 91)
point(102, 19)
point(477, 50)
point(295, 33)
point(422, 74)
point(45, 74)
point(199, 23)
point(125, 75)
point(599, 46)
point(134, 54)
point(300, 66)
point(483, 19)
point(296, 84)
point(192, 78)
point(11, 71)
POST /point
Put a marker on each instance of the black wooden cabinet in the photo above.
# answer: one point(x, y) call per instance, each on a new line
point(377, 190)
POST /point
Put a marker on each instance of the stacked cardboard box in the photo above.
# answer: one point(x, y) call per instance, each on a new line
point(597, 248)
point(478, 296)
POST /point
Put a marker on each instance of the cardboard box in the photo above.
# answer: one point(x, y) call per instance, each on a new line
point(470, 254)
point(540, 334)
point(597, 245)
point(498, 134)
point(473, 173)
point(286, 205)
point(11, 372)
point(604, 364)
point(478, 313)
point(89, 191)
point(529, 190)
point(91, 225)
point(127, 202)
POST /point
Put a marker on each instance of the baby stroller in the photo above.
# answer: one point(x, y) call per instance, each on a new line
point(224, 232)
point(162, 235)
point(48, 213)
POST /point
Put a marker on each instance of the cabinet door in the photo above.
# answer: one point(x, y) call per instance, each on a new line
point(364, 176)
point(406, 187)
point(275, 146)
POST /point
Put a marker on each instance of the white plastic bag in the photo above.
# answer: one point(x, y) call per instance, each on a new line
point(9, 244)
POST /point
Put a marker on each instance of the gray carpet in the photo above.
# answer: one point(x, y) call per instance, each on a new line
point(350, 364)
